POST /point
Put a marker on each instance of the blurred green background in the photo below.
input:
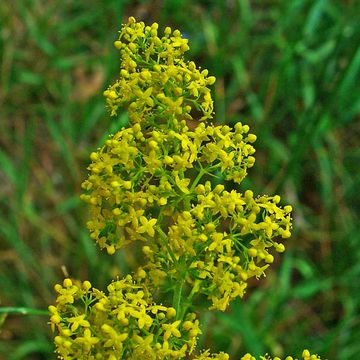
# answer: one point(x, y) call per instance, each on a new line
point(288, 68)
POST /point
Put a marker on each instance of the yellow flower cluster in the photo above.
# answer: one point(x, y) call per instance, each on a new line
point(222, 237)
point(147, 183)
point(124, 324)
point(156, 85)
point(139, 170)
point(207, 356)
point(223, 241)
point(223, 356)
point(306, 355)
point(152, 182)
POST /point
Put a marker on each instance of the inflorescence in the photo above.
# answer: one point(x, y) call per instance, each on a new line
point(152, 182)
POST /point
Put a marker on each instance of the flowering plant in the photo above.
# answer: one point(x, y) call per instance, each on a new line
point(151, 182)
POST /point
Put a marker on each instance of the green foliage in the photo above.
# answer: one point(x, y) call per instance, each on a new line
point(289, 68)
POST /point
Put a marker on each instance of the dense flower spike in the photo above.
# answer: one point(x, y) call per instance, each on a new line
point(155, 83)
point(152, 182)
point(147, 183)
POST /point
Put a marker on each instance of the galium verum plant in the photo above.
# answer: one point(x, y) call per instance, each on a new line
point(151, 183)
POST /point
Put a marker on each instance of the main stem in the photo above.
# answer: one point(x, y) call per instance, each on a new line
point(177, 299)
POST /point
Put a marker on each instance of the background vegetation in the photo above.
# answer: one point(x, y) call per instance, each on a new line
point(290, 69)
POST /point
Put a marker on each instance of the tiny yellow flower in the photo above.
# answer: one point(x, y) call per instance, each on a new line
point(147, 226)
point(77, 321)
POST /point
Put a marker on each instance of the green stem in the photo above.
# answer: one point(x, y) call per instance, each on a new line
point(163, 238)
point(189, 299)
point(177, 299)
point(194, 290)
point(197, 179)
point(23, 311)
